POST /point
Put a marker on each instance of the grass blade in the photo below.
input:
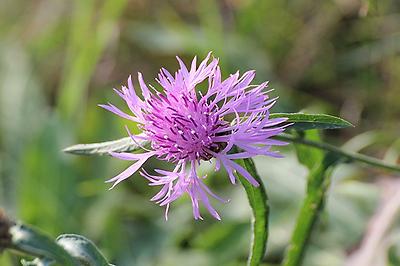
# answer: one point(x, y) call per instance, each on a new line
point(87, 42)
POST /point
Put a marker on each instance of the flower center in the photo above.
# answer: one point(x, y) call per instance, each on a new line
point(181, 128)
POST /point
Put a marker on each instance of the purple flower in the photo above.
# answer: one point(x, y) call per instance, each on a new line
point(186, 127)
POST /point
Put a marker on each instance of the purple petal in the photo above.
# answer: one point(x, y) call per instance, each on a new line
point(143, 86)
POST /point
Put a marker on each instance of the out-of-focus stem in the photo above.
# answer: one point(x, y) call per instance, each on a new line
point(349, 155)
point(318, 182)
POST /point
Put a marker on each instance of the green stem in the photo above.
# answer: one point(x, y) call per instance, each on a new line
point(349, 155)
point(318, 183)
point(258, 201)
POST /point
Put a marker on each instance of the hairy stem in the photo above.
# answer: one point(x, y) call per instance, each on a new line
point(258, 201)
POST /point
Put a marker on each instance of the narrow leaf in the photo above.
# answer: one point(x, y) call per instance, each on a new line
point(82, 249)
point(119, 145)
point(318, 183)
point(312, 121)
point(258, 201)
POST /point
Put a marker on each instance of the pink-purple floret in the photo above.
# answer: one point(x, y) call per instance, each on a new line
point(186, 127)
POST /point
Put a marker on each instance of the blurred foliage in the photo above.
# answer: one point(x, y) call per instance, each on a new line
point(59, 59)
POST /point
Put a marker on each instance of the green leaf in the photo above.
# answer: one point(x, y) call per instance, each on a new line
point(259, 205)
point(119, 145)
point(312, 121)
point(82, 249)
point(33, 242)
point(318, 183)
point(306, 156)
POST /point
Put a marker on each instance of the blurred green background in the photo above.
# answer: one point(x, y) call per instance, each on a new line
point(59, 59)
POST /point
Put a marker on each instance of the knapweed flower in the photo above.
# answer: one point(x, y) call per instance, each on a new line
point(186, 127)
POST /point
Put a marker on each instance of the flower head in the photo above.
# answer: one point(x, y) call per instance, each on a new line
point(186, 127)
